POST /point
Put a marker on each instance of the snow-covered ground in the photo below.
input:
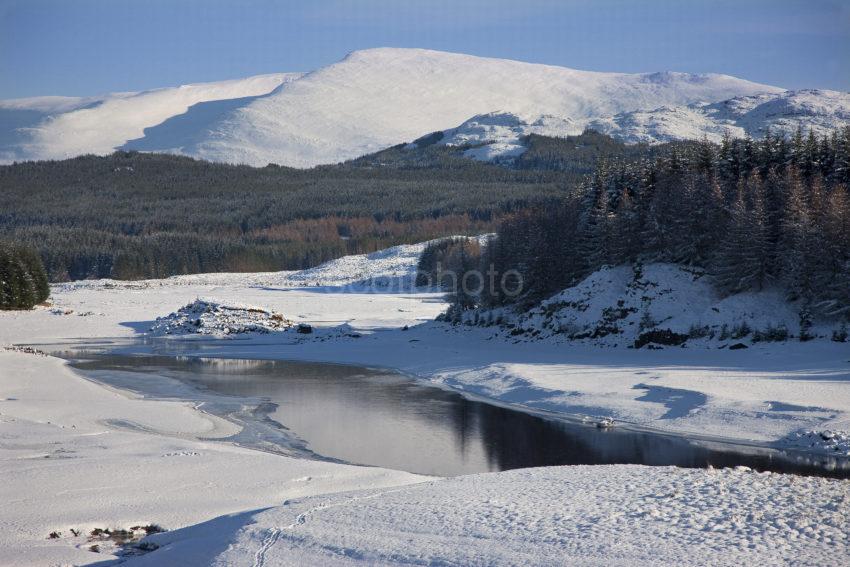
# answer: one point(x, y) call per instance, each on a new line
point(610, 515)
point(77, 455)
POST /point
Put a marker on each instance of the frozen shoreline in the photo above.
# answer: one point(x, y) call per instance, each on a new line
point(814, 456)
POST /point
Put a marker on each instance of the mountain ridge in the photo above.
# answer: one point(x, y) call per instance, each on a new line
point(376, 98)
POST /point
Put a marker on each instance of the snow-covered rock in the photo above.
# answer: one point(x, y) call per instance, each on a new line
point(825, 441)
point(204, 317)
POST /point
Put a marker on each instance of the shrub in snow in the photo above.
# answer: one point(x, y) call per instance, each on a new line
point(805, 325)
point(741, 330)
point(840, 334)
point(646, 321)
point(660, 337)
point(700, 332)
point(771, 334)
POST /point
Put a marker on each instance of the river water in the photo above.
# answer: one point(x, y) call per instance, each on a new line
point(381, 418)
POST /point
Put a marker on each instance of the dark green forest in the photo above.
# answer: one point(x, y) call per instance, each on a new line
point(134, 215)
point(773, 212)
point(23, 281)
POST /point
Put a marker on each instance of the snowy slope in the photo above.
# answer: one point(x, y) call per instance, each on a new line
point(370, 100)
point(614, 306)
point(498, 135)
point(378, 97)
point(819, 110)
point(60, 127)
point(391, 269)
point(591, 516)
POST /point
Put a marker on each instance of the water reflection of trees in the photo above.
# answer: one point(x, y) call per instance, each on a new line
point(509, 439)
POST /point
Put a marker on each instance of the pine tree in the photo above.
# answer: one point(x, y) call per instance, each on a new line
point(841, 162)
point(835, 294)
point(596, 234)
point(624, 232)
point(742, 261)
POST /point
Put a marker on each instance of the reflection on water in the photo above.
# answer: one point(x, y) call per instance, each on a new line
point(375, 417)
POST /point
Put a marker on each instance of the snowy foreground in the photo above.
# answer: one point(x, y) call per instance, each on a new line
point(75, 455)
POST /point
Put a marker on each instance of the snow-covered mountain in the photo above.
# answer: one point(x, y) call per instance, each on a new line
point(782, 113)
point(379, 97)
point(499, 135)
point(376, 98)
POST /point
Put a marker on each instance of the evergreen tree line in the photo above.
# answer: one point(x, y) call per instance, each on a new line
point(23, 281)
point(134, 216)
point(773, 212)
point(442, 261)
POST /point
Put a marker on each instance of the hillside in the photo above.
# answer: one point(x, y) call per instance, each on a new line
point(135, 215)
point(659, 306)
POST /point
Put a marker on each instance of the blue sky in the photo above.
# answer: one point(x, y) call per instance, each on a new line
point(84, 47)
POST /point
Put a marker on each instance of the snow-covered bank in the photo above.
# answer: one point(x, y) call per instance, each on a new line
point(76, 456)
point(660, 305)
point(608, 515)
